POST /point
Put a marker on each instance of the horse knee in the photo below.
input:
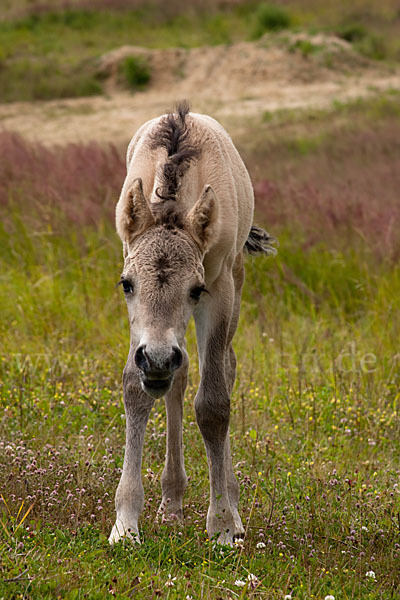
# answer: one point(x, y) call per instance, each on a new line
point(212, 414)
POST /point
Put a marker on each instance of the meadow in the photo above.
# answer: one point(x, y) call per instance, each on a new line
point(315, 411)
point(52, 50)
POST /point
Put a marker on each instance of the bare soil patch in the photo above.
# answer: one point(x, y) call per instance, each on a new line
point(232, 82)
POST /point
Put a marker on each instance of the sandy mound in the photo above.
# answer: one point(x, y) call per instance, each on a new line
point(240, 69)
point(231, 83)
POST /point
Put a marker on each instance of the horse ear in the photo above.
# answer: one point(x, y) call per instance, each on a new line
point(133, 215)
point(202, 218)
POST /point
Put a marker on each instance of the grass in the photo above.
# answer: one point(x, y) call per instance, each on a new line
point(327, 173)
point(51, 50)
point(270, 17)
point(315, 421)
point(70, 42)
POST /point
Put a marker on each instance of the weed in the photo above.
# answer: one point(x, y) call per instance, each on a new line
point(305, 47)
point(306, 145)
point(352, 32)
point(373, 46)
point(267, 116)
point(270, 17)
point(135, 71)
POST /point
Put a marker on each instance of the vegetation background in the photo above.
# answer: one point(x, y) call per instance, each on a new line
point(315, 417)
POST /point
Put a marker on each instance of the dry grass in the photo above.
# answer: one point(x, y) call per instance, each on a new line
point(50, 181)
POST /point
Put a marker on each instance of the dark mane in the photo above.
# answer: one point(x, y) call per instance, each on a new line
point(166, 214)
point(172, 134)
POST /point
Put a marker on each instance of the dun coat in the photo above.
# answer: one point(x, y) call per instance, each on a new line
point(185, 218)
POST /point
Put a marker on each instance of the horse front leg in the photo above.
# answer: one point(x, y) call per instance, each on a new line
point(129, 498)
point(212, 407)
point(173, 478)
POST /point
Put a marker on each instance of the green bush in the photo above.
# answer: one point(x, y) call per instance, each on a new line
point(352, 32)
point(270, 17)
point(135, 72)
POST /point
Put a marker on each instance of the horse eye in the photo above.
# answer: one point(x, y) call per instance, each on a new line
point(196, 292)
point(127, 286)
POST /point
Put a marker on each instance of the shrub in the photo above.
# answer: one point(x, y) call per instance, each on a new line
point(135, 72)
point(270, 17)
point(352, 32)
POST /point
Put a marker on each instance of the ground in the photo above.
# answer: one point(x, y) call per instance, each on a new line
point(232, 83)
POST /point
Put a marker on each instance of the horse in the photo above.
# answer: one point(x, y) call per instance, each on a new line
point(185, 217)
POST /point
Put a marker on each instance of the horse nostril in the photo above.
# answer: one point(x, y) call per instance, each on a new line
point(141, 359)
point(176, 358)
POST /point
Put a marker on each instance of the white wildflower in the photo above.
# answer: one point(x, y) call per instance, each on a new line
point(240, 583)
point(370, 574)
point(364, 528)
point(260, 545)
point(253, 581)
point(287, 597)
point(170, 581)
point(239, 543)
point(330, 597)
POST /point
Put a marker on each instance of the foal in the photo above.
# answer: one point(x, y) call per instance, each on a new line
point(185, 217)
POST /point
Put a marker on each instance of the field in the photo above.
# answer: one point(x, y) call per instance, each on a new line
point(52, 50)
point(315, 425)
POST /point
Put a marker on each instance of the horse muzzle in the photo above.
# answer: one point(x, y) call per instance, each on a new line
point(157, 366)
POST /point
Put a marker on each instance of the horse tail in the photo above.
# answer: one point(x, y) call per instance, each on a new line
point(260, 242)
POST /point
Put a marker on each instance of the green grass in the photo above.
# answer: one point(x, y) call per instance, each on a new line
point(315, 411)
point(306, 47)
point(68, 43)
point(270, 17)
point(315, 431)
point(53, 54)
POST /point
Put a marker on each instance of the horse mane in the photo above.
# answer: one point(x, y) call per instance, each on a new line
point(166, 214)
point(172, 134)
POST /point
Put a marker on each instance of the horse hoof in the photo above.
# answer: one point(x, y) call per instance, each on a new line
point(120, 532)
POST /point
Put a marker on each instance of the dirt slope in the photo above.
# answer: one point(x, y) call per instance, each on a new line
point(231, 83)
